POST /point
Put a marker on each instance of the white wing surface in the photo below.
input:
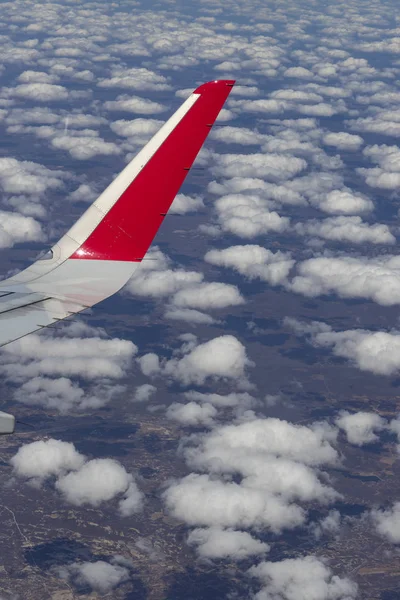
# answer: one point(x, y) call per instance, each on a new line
point(104, 247)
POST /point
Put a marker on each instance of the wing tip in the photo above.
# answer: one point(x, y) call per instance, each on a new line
point(214, 85)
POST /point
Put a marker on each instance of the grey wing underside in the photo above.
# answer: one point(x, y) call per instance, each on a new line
point(24, 313)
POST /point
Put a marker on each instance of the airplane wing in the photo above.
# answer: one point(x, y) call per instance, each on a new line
point(100, 252)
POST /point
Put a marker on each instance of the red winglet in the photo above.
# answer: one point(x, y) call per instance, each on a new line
point(127, 230)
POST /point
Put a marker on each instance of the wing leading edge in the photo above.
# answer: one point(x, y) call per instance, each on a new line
point(100, 252)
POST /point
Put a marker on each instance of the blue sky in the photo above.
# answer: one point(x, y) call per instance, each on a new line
point(262, 327)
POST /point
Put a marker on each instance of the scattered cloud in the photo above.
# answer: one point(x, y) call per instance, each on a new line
point(284, 579)
point(79, 481)
point(216, 543)
point(360, 427)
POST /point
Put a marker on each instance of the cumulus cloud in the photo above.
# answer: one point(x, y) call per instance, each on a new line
point(137, 78)
point(41, 92)
point(188, 293)
point(360, 427)
point(144, 392)
point(216, 543)
point(343, 141)
point(15, 228)
point(347, 229)
point(90, 357)
point(345, 202)
point(195, 317)
point(376, 278)
point(26, 177)
point(192, 414)
point(298, 73)
point(100, 576)
point(248, 216)
point(387, 522)
point(30, 76)
point(84, 147)
point(223, 357)
point(208, 295)
point(43, 367)
point(134, 104)
point(276, 462)
point(80, 481)
point(234, 399)
point(156, 279)
point(201, 501)
point(184, 204)
point(308, 575)
point(254, 262)
point(387, 174)
point(42, 459)
point(136, 127)
point(377, 352)
point(238, 135)
point(97, 481)
point(273, 167)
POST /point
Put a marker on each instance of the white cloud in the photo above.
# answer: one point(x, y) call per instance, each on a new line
point(343, 141)
point(64, 395)
point(347, 229)
point(387, 174)
point(222, 357)
point(78, 480)
point(221, 448)
point(40, 92)
point(272, 191)
point(201, 501)
point(377, 279)
point(84, 147)
point(26, 177)
point(377, 352)
point(275, 167)
point(377, 125)
point(42, 459)
point(248, 216)
point(149, 364)
point(134, 104)
point(101, 576)
point(345, 202)
point(156, 280)
point(276, 462)
point(231, 400)
point(100, 480)
point(216, 543)
point(254, 262)
point(135, 79)
point(360, 427)
point(36, 76)
point(307, 576)
point(298, 73)
point(189, 315)
point(144, 392)
point(328, 526)
point(137, 127)
point(42, 367)
point(84, 193)
point(184, 204)
point(90, 358)
point(237, 135)
point(192, 414)
point(208, 296)
point(15, 228)
point(387, 522)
